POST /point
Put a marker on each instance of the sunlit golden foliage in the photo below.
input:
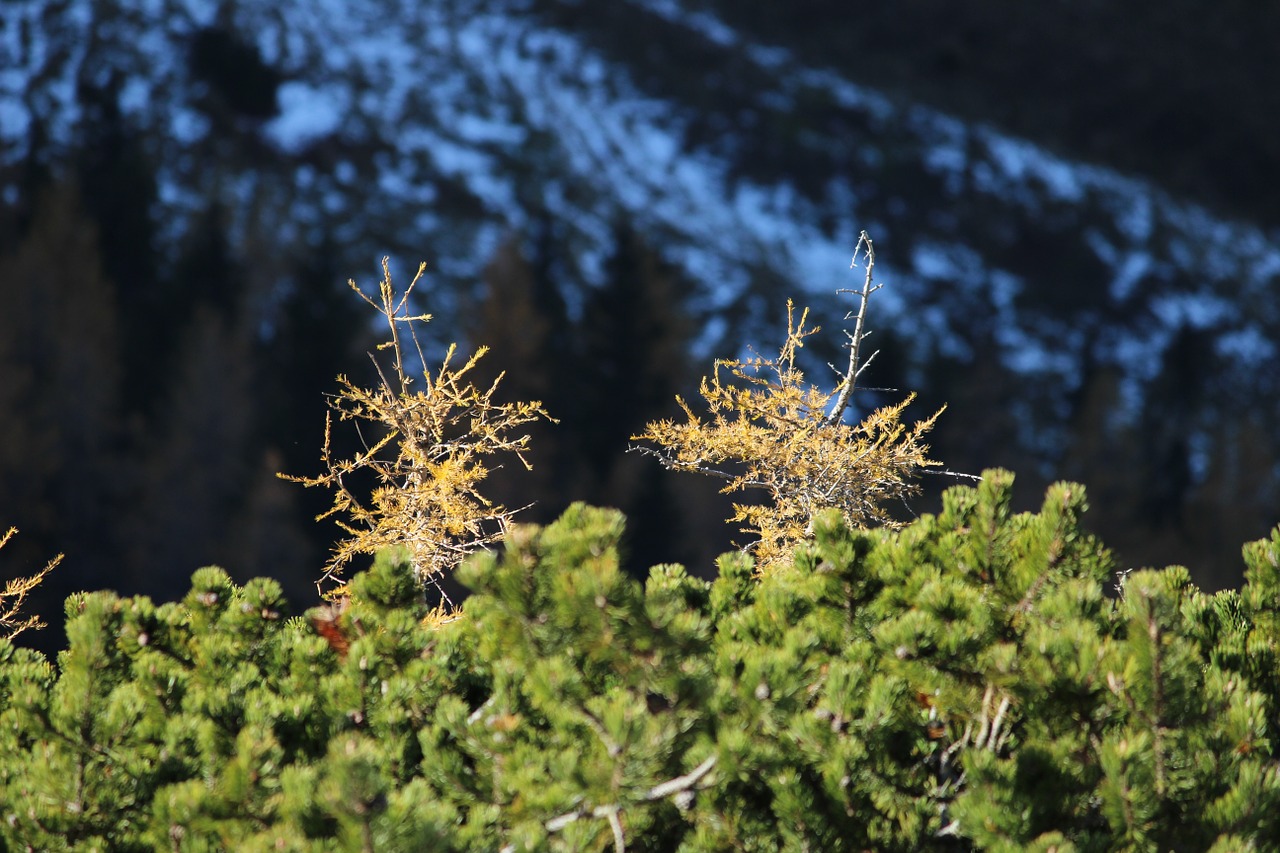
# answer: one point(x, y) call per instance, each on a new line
point(14, 596)
point(428, 447)
point(767, 429)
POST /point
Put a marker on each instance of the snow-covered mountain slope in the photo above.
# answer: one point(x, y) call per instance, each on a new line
point(433, 129)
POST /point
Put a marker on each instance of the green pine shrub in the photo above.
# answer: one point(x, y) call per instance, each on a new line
point(963, 683)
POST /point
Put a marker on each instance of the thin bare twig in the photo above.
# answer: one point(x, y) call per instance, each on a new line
point(855, 369)
point(947, 472)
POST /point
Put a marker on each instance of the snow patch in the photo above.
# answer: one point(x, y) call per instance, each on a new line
point(307, 113)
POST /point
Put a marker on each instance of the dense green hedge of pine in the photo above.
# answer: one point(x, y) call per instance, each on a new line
point(977, 679)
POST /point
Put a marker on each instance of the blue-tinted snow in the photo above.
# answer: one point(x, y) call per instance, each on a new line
point(1246, 344)
point(1022, 163)
point(1018, 171)
point(307, 113)
point(483, 92)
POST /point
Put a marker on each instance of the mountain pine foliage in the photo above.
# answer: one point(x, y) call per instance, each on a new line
point(963, 683)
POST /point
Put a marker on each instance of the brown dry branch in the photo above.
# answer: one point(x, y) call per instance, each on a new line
point(430, 451)
point(14, 596)
point(766, 429)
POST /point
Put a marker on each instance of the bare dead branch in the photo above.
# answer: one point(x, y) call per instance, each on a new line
point(682, 783)
point(866, 248)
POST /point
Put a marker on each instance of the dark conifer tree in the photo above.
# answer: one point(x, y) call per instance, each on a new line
point(196, 471)
point(603, 377)
point(315, 335)
point(207, 272)
point(523, 322)
point(982, 425)
point(550, 279)
point(27, 179)
point(1169, 423)
point(118, 184)
point(237, 85)
point(635, 345)
point(196, 451)
point(1238, 500)
point(633, 364)
point(61, 471)
point(273, 532)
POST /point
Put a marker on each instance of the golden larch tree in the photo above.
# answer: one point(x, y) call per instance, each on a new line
point(767, 429)
point(427, 441)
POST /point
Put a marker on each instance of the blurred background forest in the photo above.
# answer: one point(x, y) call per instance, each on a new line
point(1073, 206)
